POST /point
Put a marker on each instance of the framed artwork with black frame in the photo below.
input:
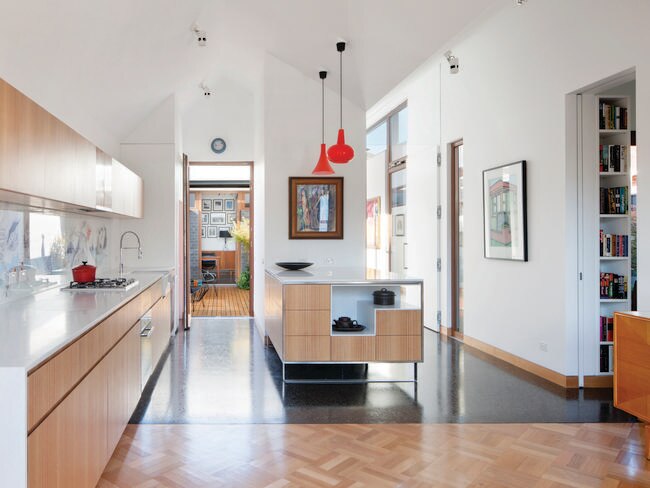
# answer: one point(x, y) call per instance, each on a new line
point(206, 205)
point(504, 212)
point(230, 217)
point(205, 218)
point(315, 208)
point(399, 225)
point(217, 218)
point(204, 231)
point(212, 231)
point(217, 205)
point(229, 205)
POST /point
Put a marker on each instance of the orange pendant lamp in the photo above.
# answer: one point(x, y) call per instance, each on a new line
point(323, 166)
point(340, 153)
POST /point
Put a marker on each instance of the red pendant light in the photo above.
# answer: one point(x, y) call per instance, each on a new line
point(323, 166)
point(340, 153)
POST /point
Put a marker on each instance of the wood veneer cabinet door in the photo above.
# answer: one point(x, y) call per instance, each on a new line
point(307, 297)
point(26, 174)
point(68, 449)
point(632, 365)
point(161, 320)
point(353, 348)
point(8, 136)
point(399, 322)
point(398, 348)
point(307, 348)
point(307, 322)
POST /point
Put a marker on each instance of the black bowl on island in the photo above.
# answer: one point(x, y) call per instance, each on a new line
point(293, 266)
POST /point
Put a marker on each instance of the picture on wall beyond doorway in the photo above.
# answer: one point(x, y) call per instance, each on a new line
point(373, 214)
point(217, 218)
point(205, 218)
point(230, 217)
point(204, 231)
point(206, 205)
point(217, 205)
point(244, 214)
point(504, 212)
point(229, 205)
point(315, 208)
point(247, 199)
point(212, 231)
point(399, 225)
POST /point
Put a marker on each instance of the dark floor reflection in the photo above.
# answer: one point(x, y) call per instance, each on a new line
point(220, 372)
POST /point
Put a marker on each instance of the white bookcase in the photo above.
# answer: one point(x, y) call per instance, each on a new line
point(611, 223)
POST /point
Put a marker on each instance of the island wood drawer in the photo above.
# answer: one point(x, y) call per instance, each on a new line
point(307, 322)
point(307, 297)
point(398, 348)
point(399, 322)
point(52, 380)
point(307, 348)
point(353, 348)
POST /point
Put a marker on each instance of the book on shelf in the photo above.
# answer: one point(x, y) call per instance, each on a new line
point(606, 329)
point(614, 201)
point(606, 358)
point(613, 245)
point(613, 158)
point(612, 117)
point(613, 286)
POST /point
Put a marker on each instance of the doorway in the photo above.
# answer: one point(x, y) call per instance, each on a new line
point(457, 254)
point(220, 224)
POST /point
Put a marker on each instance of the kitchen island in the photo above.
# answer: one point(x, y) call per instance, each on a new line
point(70, 377)
point(300, 307)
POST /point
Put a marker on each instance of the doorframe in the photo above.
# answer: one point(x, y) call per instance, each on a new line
point(251, 254)
point(454, 206)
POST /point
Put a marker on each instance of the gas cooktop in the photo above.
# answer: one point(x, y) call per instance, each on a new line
point(108, 284)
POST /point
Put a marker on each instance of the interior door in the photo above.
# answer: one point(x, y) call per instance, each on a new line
point(398, 240)
point(187, 295)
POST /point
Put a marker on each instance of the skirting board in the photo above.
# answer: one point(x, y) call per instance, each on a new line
point(521, 363)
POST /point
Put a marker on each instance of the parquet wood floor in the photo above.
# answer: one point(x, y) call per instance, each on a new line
point(222, 301)
point(379, 455)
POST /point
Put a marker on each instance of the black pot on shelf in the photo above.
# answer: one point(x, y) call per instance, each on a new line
point(383, 297)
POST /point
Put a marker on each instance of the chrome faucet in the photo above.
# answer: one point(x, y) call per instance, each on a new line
point(122, 248)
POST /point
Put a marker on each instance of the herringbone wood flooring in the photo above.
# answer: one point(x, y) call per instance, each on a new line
point(379, 455)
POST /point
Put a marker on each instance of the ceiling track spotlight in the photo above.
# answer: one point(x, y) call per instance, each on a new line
point(453, 62)
point(206, 90)
point(201, 36)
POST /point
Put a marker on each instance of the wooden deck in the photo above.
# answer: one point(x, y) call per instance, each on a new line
point(222, 301)
point(377, 456)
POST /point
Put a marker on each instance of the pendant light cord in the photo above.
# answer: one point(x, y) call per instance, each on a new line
point(341, 87)
point(322, 101)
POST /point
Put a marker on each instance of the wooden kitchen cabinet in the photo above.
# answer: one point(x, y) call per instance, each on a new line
point(307, 297)
point(161, 320)
point(69, 449)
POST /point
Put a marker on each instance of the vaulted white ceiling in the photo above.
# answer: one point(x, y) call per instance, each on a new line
point(108, 63)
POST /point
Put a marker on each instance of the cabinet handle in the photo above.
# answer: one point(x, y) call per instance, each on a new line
point(146, 332)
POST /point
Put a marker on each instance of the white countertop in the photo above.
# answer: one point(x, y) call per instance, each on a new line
point(34, 328)
point(342, 275)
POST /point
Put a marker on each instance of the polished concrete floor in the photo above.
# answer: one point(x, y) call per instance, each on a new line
point(220, 372)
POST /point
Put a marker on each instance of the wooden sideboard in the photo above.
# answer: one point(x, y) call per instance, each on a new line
point(632, 367)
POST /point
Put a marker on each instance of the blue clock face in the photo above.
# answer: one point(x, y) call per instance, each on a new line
point(218, 145)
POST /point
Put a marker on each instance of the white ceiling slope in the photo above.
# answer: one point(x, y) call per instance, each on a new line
point(103, 65)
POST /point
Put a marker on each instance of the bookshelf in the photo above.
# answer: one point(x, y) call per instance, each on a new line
point(614, 221)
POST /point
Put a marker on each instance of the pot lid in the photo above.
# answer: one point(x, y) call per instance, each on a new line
point(84, 265)
point(383, 293)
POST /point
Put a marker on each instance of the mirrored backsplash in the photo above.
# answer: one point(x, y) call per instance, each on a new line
point(38, 248)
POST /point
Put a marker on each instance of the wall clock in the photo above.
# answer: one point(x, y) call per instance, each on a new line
point(218, 145)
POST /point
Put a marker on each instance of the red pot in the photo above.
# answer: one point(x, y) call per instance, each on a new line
point(83, 273)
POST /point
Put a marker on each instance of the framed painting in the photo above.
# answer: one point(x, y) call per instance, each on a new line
point(229, 205)
point(204, 231)
point(315, 208)
point(217, 205)
point(373, 215)
point(217, 218)
point(504, 212)
point(230, 217)
point(212, 231)
point(206, 205)
point(205, 218)
point(399, 225)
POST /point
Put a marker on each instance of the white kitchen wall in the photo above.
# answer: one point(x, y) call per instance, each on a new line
point(151, 152)
point(292, 135)
point(508, 103)
point(228, 113)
